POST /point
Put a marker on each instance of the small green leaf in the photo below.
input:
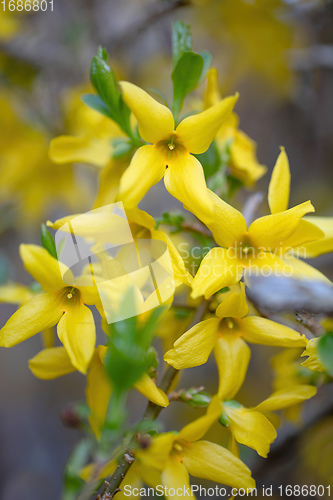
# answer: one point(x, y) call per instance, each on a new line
point(105, 82)
point(185, 77)
point(181, 40)
point(325, 351)
point(48, 241)
point(96, 103)
point(224, 420)
point(200, 400)
point(210, 160)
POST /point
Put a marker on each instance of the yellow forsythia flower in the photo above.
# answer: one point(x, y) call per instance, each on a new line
point(169, 151)
point(225, 333)
point(176, 455)
point(60, 303)
point(268, 245)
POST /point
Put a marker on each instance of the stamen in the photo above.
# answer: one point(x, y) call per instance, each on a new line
point(177, 447)
point(230, 324)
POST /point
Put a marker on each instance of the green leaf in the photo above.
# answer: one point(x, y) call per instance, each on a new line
point(181, 40)
point(105, 82)
point(48, 241)
point(185, 78)
point(96, 103)
point(210, 160)
point(325, 351)
point(170, 219)
point(126, 358)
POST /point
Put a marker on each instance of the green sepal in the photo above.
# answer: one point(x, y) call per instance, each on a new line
point(48, 241)
point(325, 351)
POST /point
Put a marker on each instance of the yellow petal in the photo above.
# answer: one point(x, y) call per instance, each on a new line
point(231, 351)
point(109, 180)
point(234, 306)
point(185, 180)
point(217, 270)
point(199, 427)
point(313, 362)
point(305, 232)
point(76, 330)
point(325, 245)
point(194, 347)
point(146, 169)
point(267, 264)
point(48, 337)
point(279, 186)
point(176, 476)
point(15, 293)
point(266, 332)
point(243, 159)
point(287, 397)
point(228, 223)
point(212, 92)
point(148, 389)
point(157, 453)
point(44, 268)
point(155, 120)
point(39, 313)
point(271, 231)
point(51, 363)
point(179, 270)
point(210, 461)
point(196, 132)
point(304, 270)
point(251, 428)
point(140, 217)
point(98, 393)
point(69, 149)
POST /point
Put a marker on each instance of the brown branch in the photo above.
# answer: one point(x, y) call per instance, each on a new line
point(137, 28)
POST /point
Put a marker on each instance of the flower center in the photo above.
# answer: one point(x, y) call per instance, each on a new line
point(170, 147)
point(69, 296)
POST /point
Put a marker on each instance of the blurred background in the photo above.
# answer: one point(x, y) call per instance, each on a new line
point(277, 53)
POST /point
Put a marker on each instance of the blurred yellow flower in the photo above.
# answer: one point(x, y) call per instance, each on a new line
point(23, 159)
point(243, 163)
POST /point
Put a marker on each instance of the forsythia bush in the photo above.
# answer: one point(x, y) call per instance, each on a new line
point(204, 159)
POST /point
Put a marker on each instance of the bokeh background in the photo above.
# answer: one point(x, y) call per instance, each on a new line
point(278, 54)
